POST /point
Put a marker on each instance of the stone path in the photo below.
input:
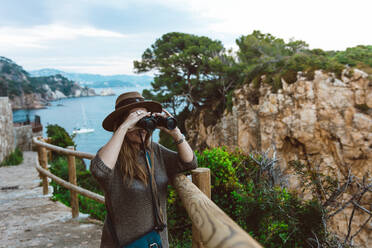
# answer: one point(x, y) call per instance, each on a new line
point(30, 219)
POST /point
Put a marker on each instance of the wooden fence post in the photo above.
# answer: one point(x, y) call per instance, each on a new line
point(201, 177)
point(72, 179)
point(43, 161)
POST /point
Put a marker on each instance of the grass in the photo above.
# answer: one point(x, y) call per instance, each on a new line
point(15, 158)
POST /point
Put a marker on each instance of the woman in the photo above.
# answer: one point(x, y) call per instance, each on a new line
point(121, 170)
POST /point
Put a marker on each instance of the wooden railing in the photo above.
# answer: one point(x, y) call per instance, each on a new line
point(211, 226)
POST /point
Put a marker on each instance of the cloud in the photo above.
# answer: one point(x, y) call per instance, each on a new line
point(323, 24)
point(97, 35)
point(105, 65)
point(39, 36)
point(129, 16)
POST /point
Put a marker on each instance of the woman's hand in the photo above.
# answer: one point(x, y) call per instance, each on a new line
point(132, 119)
point(175, 133)
point(184, 150)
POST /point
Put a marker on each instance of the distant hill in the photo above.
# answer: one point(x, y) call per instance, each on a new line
point(28, 92)
point(96, 80)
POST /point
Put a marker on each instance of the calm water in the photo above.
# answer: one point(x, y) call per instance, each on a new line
point(70, 115)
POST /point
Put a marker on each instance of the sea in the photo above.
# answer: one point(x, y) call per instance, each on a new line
point(88, 112)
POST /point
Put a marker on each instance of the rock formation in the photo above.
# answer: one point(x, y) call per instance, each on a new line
point(27, 92)
point(38, 101)
point(326, 122)
point(107, 92)
point(28, 101)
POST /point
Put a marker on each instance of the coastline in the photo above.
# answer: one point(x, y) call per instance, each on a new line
point(43, 103)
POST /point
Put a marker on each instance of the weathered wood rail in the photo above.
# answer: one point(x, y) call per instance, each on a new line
point(211, 226)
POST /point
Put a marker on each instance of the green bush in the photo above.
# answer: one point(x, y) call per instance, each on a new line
point(59, 136)
point(355, 56)
point(59, 167)
point(179, 223)
point(244, 190)
point(225, 184)
point(15, 158)
point(272, 215)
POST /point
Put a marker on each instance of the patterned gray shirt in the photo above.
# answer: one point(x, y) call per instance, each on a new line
point(132, 207)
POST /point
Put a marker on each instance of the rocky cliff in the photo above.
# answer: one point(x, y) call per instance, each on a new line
point(324, 123)
point(26, 92)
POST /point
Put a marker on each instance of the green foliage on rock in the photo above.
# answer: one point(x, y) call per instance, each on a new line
point(15, 158)
point(59, 136)
point(14, 81)
point(360, 56)
point(13, 88)
point(56, 82)
point(266, 55)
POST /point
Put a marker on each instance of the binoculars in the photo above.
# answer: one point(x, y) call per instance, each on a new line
point(149, 123)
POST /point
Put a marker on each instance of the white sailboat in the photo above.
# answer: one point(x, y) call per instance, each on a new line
point(83, 129)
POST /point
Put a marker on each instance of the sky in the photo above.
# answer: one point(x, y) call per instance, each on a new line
point(106, 36)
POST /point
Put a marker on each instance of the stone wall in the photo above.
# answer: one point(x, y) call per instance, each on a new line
point(23, 137)
point(7, 143)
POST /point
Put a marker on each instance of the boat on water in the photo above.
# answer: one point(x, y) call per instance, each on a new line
point(84, 129)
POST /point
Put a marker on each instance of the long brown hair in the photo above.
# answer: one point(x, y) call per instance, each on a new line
point(129, 166)
point(128, 157)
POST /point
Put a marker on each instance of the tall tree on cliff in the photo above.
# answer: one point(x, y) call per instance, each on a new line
point(190, 70)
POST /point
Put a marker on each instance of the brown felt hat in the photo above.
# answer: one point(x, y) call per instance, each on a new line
point(126, 102)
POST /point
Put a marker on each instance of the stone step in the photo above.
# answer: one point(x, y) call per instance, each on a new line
point(31, 219)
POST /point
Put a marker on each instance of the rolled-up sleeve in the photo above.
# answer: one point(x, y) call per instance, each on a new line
point(173, 163)
point(100, 171)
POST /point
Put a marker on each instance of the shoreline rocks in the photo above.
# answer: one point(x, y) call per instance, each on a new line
point(107, 92)
point(36, 101)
